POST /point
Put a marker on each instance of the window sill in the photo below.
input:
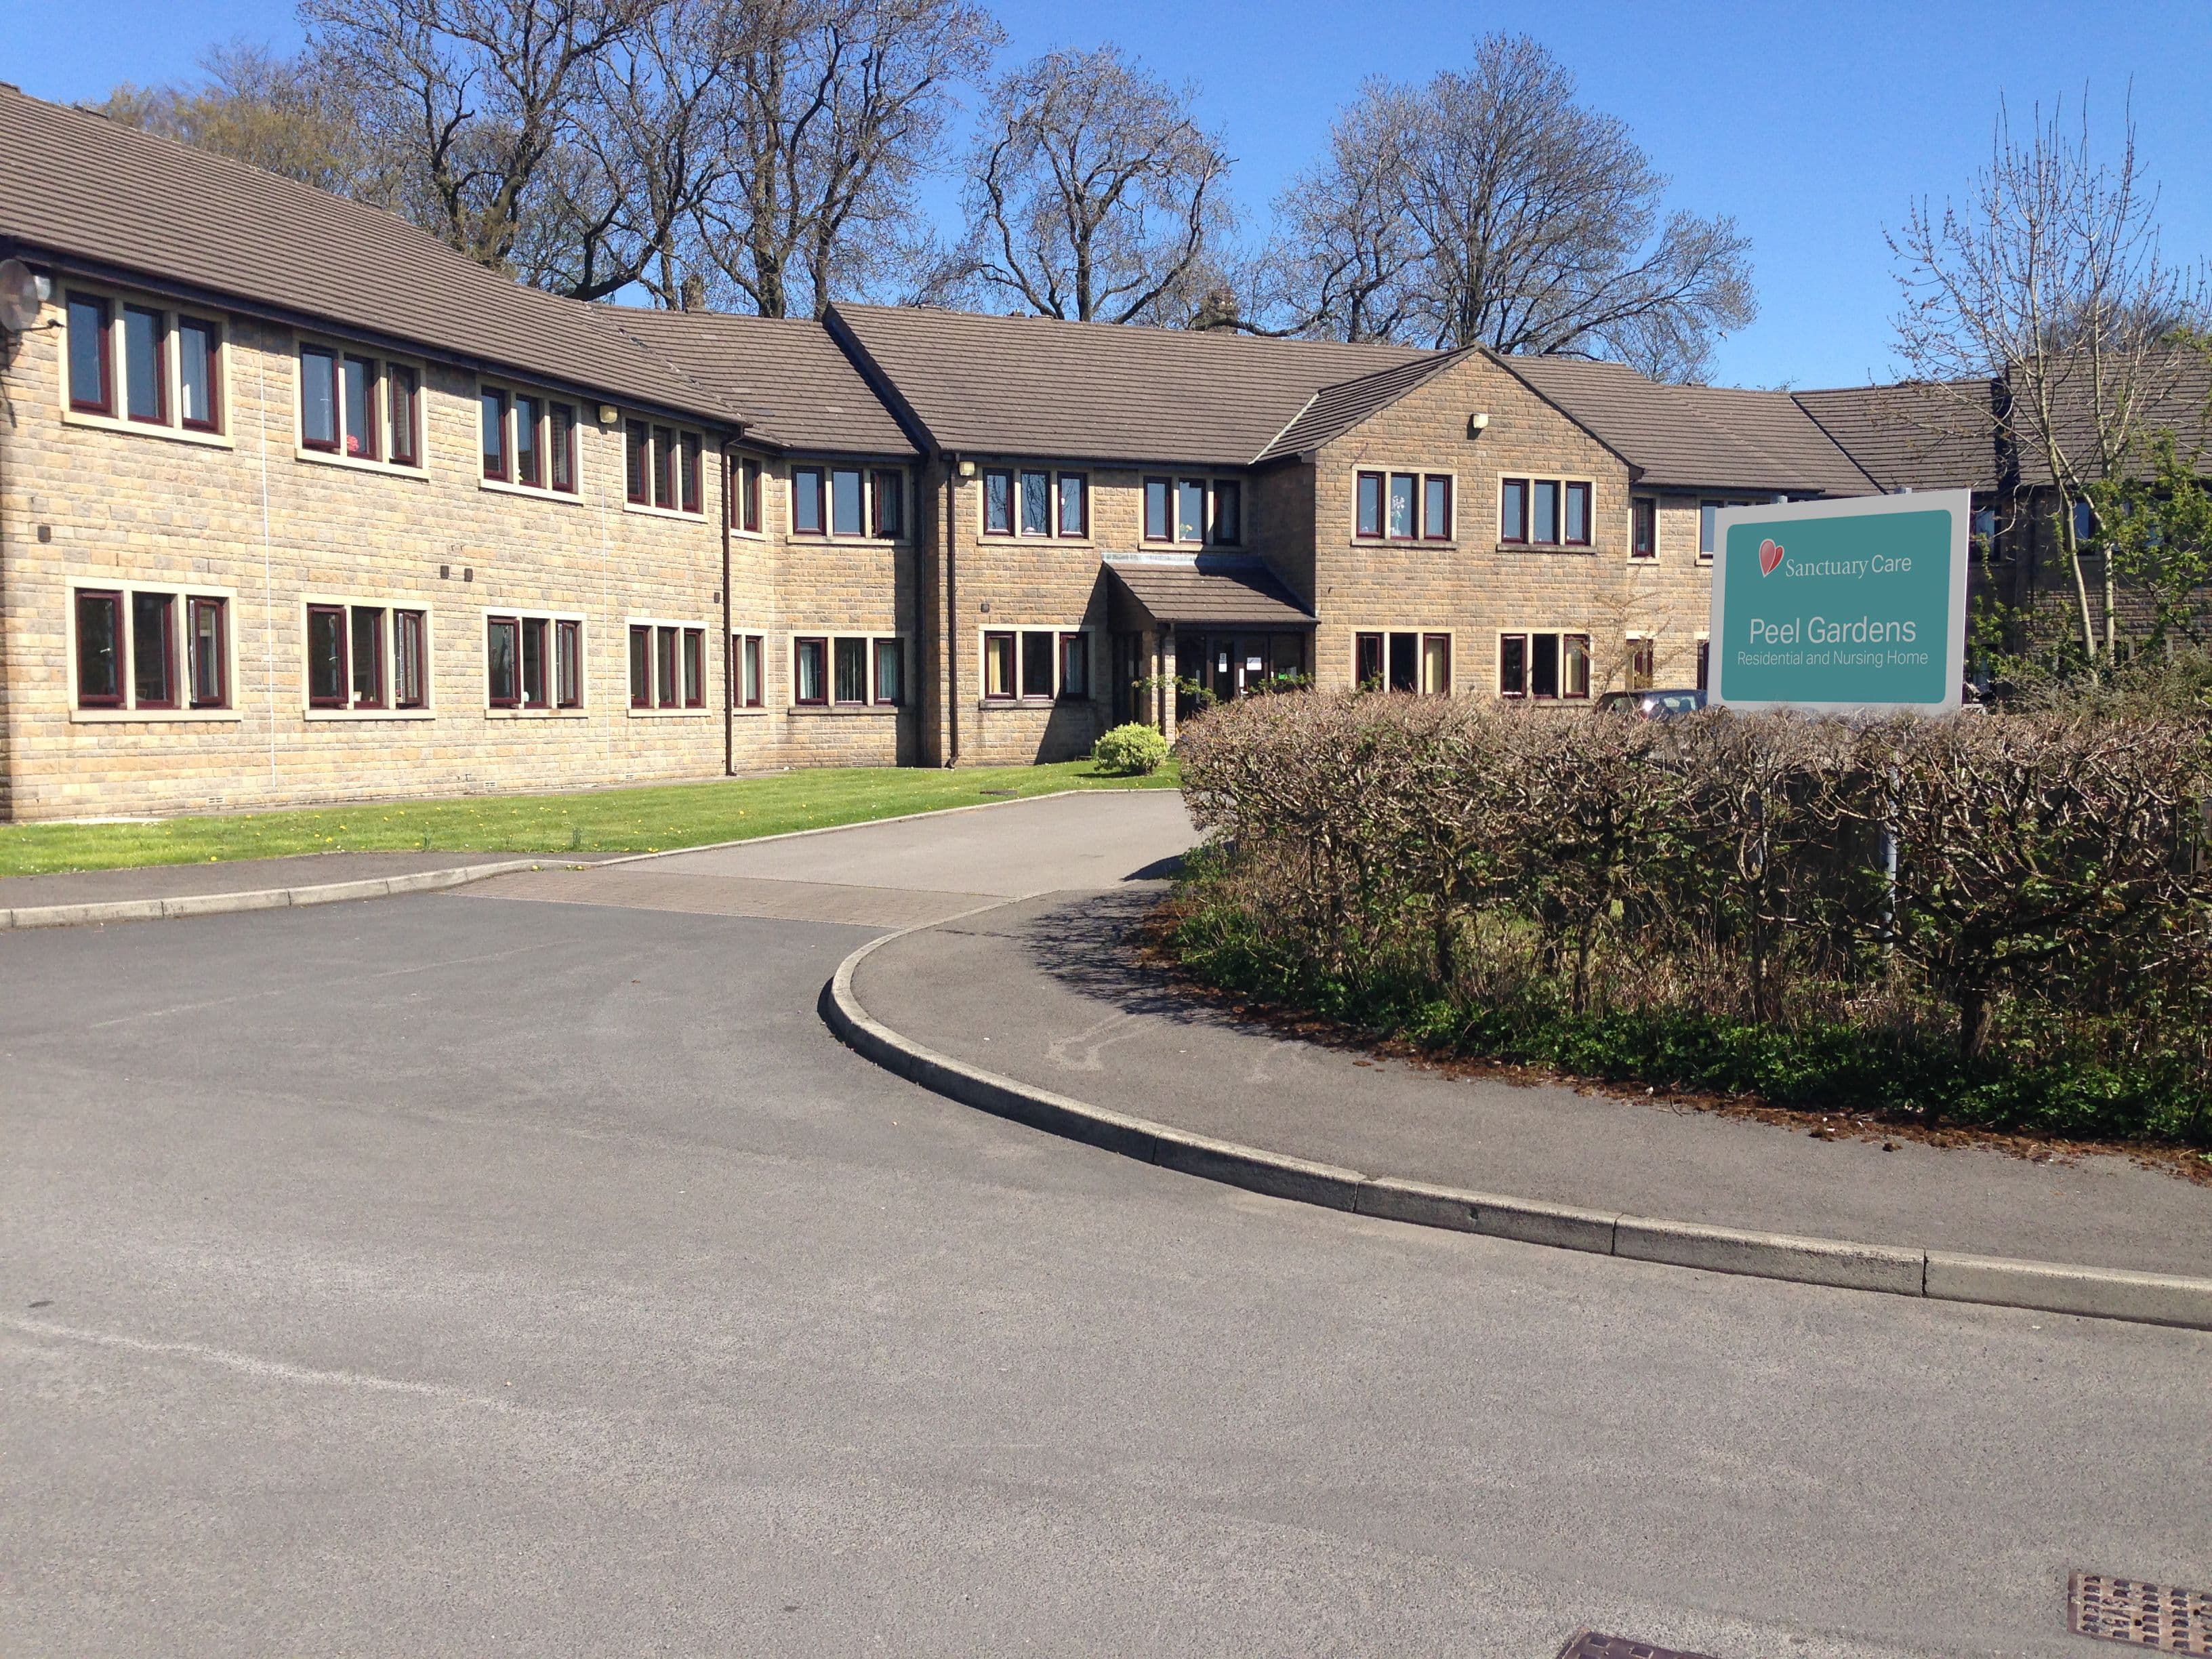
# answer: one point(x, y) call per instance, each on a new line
point(1410, 542)
point(848, 709)
point(644, 511)
point(1027, 705)
point(667, 713)
point(534, 492)
point(350, 464)
point(369, 714)
point(820, 538)
point(175, 434)
point(537, 714)
point(1577, 550)
point(150, 716)
point(1003, 538)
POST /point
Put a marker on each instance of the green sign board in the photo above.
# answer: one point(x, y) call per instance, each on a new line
point(1859, 604)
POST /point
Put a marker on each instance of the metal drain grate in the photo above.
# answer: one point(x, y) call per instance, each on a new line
point(2154, 1616)
point(1588, 1644)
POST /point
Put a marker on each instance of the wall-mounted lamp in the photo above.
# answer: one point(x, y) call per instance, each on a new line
point(609, 414)
point(967, 469)
point(1476, 422)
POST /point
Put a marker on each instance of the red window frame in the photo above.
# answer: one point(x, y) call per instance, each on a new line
point(511, 696)
point(402, 396)
point(106, 403)
point(1370, 662)
point(1163, 491)
point(195, 607)
point(538, 631)
point(664, 467)
point(1231, 490)
point(1513, 522)
point(529, 458)
point(996, 641)
point(1705, 662)
point(839, 655)
point(1642, 663)
point(1051, 502)
point(1421, 665)
point(211, 331)
point(361, 446)
point(498, 464)
point(876, 651)
point(637, 447)
point(641, 666)
point(1082, 484)
point(1032, 638)
point(343, 677)
point(569, 663)
point(1643, 527)
point(1583, 696)
point(561, 447)
point(160, 334)
point(411, 666)
point(821, 525)
point(689, 484)
point(376, 697)
point(749, 496)
point(1431, 531)
point(165, 607)
point(884, 485)
point(1512, 678)
point(751, 658)
point(1074, 647)
point(329, 355)
point(112, 599)
point(1362, 483)
point(1569, 490)
point(820, 645)
point(694, 682)
point(1004, 476)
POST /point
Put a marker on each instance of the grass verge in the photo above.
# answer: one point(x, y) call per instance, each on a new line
point(645, 820)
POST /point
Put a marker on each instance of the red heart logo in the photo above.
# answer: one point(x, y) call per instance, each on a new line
point(1770, 555)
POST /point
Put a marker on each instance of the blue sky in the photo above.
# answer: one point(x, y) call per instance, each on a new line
point(1814, 126)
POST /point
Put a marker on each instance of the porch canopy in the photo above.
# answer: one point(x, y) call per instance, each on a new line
point(1201, 593)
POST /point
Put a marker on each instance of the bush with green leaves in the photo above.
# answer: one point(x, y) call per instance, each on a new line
point(2002, 918)
point(1132, 749)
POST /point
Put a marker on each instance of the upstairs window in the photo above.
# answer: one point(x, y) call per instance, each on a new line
point(808, 514)
point(358, 407)
point(846, 502)
point(1402, 506)
point(357, 381)
point(745, 497)
point(1037, 504)
point(402, 399)
point(1033, 502)
point(319, 397)
point(1074, 518)
point(887, 505)
point(529, 451)
point(143, 364)
point(663, 468)
point(1643, 528)
point(537, 435)
point(1194, 511)
point(1708, 523)
point(496, 443)
point(1544, 511)
point(91, 356)
point(845, 517)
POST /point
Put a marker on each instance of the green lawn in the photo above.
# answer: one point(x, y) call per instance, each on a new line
point(648, 820)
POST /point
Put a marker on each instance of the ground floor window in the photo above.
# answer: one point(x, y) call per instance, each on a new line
point(809, 671)
point(1544, 667)
point(534, 661)
point(848, 671)
point(1403, 661)
point(1705, 663)
point(667, 666)
point(745, 689)
point(366, 658)
point(998, 667)
point(161, 650)
point(1643, 662)
point(1037, 664)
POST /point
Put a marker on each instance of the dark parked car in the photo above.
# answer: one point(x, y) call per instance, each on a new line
point(1654, 705)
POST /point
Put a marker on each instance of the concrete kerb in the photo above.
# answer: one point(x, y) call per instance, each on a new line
point(423, 881)
point(1895, 1270)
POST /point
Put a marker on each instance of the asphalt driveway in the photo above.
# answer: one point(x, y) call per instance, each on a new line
point(458, 1274)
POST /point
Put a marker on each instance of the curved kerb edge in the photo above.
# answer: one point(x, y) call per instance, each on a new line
point(2050, 1287)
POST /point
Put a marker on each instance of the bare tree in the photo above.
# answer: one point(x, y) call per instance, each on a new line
point(1489, 207)
point(2047, 279)
point(1094, 194)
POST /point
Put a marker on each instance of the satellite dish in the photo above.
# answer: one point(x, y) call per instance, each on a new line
point(21, 294)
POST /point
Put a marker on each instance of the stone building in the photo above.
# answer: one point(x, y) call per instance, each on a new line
point(298, 505)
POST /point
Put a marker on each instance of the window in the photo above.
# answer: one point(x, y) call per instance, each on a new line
point(665, 641)
point(1037, 504)
point(806, 514)
point(153, 650)
point(1367, 666)
point(400, 398)
point(1705, 663)
point(998, 503)
point(688, 456)
point(667, 664)
point(319, 397)
point(1544, 511)
point(1436, 509)
point(747, 502)
point(529, 442)
point(1074, 504)
point(567, 663)
point(561, 446)
point(410, 637)
point(199, 375)
point(636, 443)
point(1708, 521)
point(357, 383)
point(99, 650)
point(1402, 506)
point(91, 356)
point(810, 675)
point(327, 683)
point(145, 367)
point(745, 692)
point(495, 437)
point(208, 627)
point(852, 670)
point(887, 505)
point(1158, 527)
point(998, 667)
point(503, 660)
point(1075, 664)
point(663, 466)
point(1190, 510)
point(845, 516)
point(1643, 528)
point(365, 649)
point(1228, 513)
point(891, 671)
point(640, 667)
point(1436, 665)
point(695, 668)
point(1643, 663)
point(1037, 664)
point(537, 687)
point(1545, 667)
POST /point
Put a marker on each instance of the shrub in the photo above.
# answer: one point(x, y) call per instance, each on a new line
point(1131, 749)
point(2006, 918)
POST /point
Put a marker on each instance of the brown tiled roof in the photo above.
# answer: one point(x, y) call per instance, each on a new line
point(793, 381)
point(1106, 391)
point(1913, 435)
point(1242, 593)
point(80, 187)
point(1335, 409)
point(1695, 436)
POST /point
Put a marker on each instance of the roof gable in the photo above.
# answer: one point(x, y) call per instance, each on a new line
point(797, 386)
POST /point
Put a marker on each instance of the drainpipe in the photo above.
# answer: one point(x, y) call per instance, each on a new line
point(729, 664)
point(946, 521)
